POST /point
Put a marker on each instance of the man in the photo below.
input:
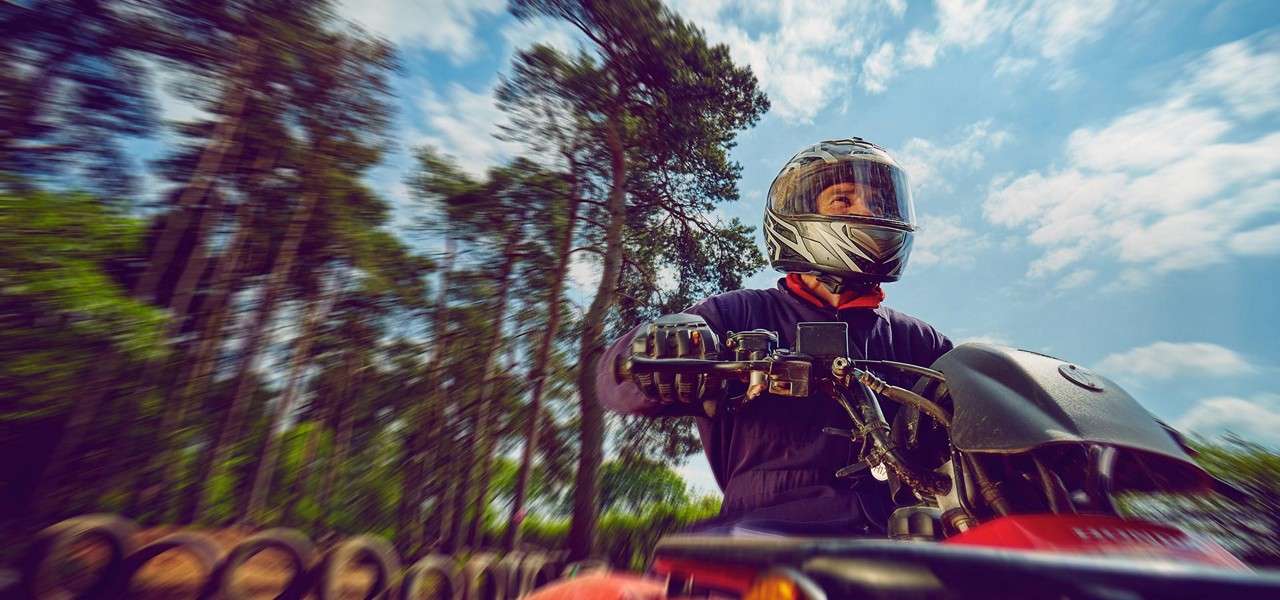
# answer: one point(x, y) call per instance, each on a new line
point(839, 222)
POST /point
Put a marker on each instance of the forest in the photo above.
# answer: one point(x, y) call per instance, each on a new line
point(256, 346)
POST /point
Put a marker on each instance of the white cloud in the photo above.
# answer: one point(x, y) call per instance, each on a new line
point(1077, 279)
point(1147, 138)
point(877, 69)
point(802, 53)
point(1245, 74)
point(985, 338)
point(555, 33)
point(1260, 241)
point(1013, 66)
point(584, 272)
point(920, 50)
point(1167, 360)
point(447, 26)
point(925, 160)
point(1167, 186)
point(1056, 28)
point(464, 124)
point(1048, 28)
point(1256, 419)
point(944, 241)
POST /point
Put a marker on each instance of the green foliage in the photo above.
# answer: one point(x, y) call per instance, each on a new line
point(631, 485)
point(1249, 528)
point(627, 539)
point(63, 310)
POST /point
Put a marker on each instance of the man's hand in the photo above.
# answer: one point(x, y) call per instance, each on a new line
point(678, 336)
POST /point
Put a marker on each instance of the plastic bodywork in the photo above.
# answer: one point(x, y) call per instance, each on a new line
point(1009, 401)
point(866, 568)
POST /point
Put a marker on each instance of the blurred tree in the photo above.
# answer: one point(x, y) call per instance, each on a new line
point(72, 84)
point(634, 485)
point(62, 315)
point(542, 118)
point(343, 112)
point(665, 107)
point(1249, 528)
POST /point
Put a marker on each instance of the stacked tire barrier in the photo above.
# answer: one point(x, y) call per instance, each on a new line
point(314, 573)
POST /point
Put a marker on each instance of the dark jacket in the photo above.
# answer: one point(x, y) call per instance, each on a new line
point(770, 457)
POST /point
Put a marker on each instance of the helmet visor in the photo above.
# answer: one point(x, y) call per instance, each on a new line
point(850, 188)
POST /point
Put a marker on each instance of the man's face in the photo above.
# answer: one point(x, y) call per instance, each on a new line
point(855, 199)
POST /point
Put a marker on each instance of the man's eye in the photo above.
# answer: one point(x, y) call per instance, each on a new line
point(843, 199)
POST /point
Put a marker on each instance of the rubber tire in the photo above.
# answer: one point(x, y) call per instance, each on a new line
point(199, 546)
point(54, 541)
point(440, 564)
point(362, 548)
point(296, 546)
point(536, 570)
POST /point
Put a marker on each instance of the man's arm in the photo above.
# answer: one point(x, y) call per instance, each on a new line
point(625, 396)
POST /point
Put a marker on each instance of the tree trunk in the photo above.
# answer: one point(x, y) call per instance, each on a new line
point(229, 429)
point(188, 392)
point(484, 442)
point(453, 462)
point(587, 483)
point(317, 311)
point(197, 356)
point(464, 461)
point(336, 467)
point(418, 463)
point(302, 482)
point(202, 177)
point(538, 374)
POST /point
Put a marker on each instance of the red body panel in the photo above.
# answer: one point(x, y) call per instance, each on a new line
point(1089, 534)
point(726, 577)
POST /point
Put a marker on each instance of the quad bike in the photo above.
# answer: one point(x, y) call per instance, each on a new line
point(1004, 465)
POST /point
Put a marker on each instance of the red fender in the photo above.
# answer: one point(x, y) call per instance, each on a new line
point(606, 585)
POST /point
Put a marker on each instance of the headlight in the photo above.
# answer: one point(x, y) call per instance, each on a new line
point(784, 584)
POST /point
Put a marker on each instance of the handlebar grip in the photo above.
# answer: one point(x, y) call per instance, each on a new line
point(622, 369)
point(625, 366)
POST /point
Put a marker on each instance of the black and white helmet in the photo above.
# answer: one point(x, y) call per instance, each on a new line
point(840, 209)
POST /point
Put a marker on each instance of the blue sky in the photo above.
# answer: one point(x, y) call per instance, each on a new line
point(1095, 179)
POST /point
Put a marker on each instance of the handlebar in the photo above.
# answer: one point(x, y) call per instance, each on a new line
point(855, 389)
point(690, 366)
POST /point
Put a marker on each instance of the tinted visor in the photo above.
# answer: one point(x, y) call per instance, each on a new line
point(854, 188)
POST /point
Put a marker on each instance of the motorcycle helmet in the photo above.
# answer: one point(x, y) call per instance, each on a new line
point(841, 210)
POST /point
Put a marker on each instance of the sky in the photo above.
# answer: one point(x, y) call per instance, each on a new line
point(1096, 180)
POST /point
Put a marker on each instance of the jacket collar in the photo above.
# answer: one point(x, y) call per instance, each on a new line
point(793, 284)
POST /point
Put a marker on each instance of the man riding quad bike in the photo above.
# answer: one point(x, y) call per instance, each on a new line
point(839, 222)
point(992, 451)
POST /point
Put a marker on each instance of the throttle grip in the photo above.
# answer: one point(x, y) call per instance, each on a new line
point(622, 369)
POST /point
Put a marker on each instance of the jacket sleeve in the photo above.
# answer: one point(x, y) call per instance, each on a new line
point(624, 396)
point(937, 345)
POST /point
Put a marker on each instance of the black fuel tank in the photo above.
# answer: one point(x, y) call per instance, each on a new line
point(1010, 401)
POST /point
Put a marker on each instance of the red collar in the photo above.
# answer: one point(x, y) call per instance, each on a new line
point(848, 299)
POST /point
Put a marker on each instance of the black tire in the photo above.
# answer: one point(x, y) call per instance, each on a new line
point(536, 570)
point(367, 549)
point(484, 578)
point(296, 546)
point(53, 543)
point(199, 546)
point(443, 567)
